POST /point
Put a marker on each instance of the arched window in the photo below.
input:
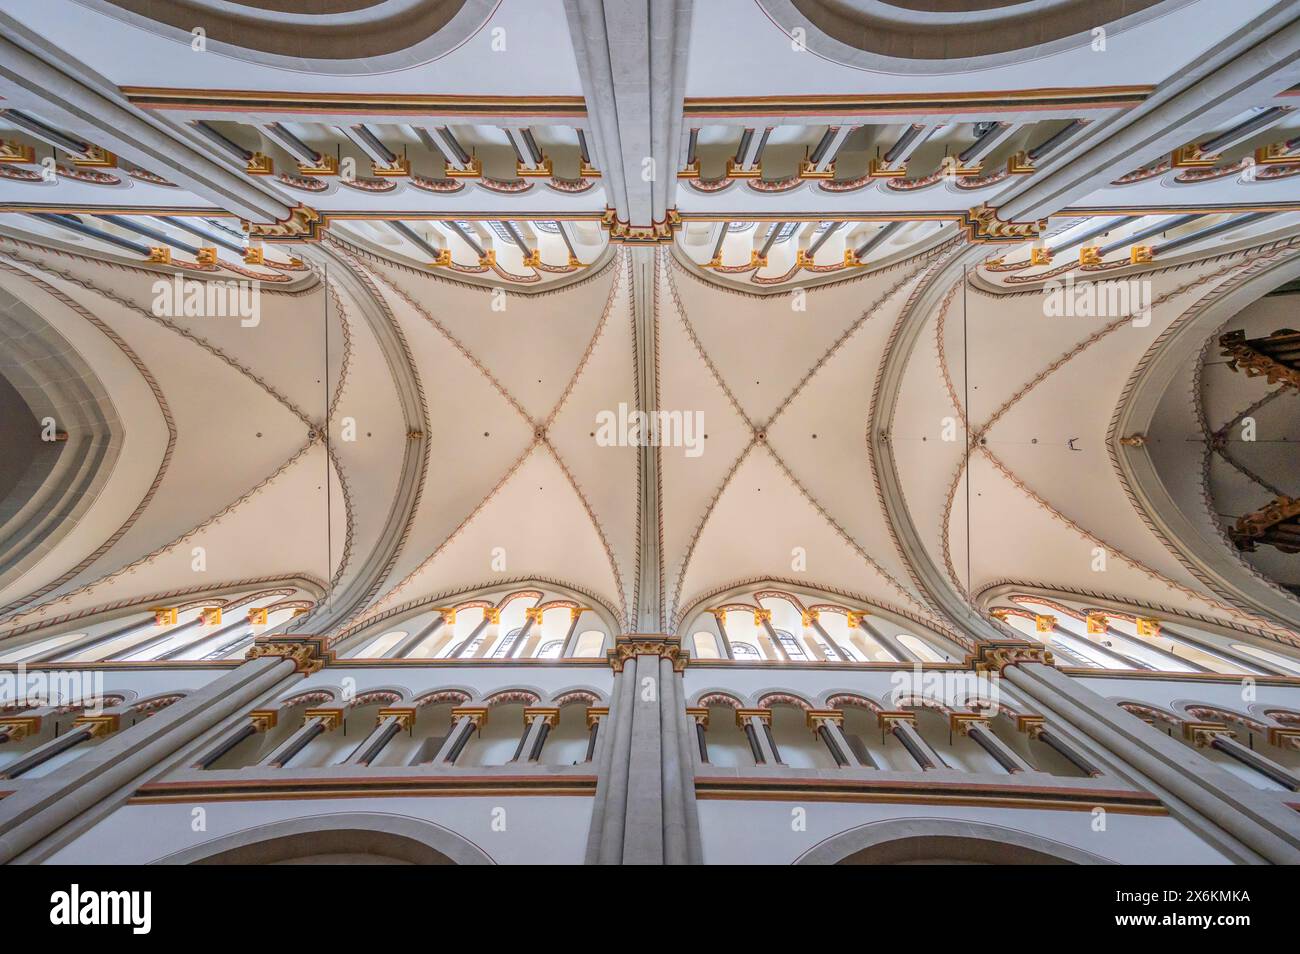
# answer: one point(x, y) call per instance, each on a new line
point(920, 647)
point(1290, 665)
point(590, 644)
point(744, 649)
point(551, 650)
point(384, 643)
point(503, 646)
point(706, 646)
point(1133, 639)
point(790, 645)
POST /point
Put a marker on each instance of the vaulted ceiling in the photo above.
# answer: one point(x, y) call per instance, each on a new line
point(892, 406)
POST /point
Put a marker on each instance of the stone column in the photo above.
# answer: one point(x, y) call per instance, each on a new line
point(1242, 821)
point(763, 618)
point(976, 728)
point(83, 729)
point(700, 725)
point(468, 720)
point(390, 721)
point(47, 803)
point(540, 721)
point(532, 617)
point(1217, 736)
point(1035, 727)
point(490, 617)
point(902, 726)
point(595, 716)
point(812, 618)
point(405, 646)
point(720, 619)
point(139, 626)
point(315, 722)
point(645, 800)
point(859, 621)
point(827, 725)
point(259, 720)
point(756, 724)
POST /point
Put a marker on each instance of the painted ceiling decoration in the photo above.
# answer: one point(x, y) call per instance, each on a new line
point(872, 342)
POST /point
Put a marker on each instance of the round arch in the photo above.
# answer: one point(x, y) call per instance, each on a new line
point(387, 839)
point(340, 38)
point(942, 840)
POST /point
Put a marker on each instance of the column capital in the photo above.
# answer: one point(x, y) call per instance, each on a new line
point(264, 720)
point(1284, 736)
point(982, 225)
point(647, 644)
point(308, 654)
point(303, 224)
point(548, 714)
point(164, 615)
point(595, 714)
point(963, 722)
point(888, 719)
point(99, 725)
point(405, 715)
point(19, 727)
point(808, 617)
point(762, 715)
point(816, 718)
point(1202, 734)
point(330, 717)
point(700, 714)
point(1031, 725)
point(478, 715)
point(662, 230)
point(994, 657)
point(448, 614)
